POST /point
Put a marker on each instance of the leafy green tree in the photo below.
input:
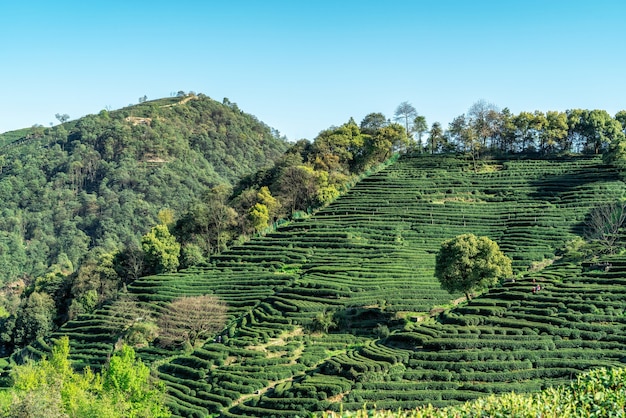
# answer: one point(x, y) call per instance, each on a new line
point(619, 116)
point(554, 133)
point(191, 255)
point(468, 263)
point(382, 143)
point(466, 137)
point(593, 130)
point(298, 187)
point(334, 149)
point(161, 249)
point(96, 278)
point(34, 319)
point(273, 205)
point(436, 139)
point(575, 130)
point(51, 388)
point(128, 383)
point(600, 129)
point(208, 223)
point(373, 122)
point(327, 193)
point(259, 216)
point(241, 203)
point(420, 127)
point(507, 132)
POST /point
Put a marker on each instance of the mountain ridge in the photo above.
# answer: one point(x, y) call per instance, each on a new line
point(159, 154)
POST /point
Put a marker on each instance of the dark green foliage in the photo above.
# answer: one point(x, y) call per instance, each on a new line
point(468, 263)
point(101, 180)
point(161, 250)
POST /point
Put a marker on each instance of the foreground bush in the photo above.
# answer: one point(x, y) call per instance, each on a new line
point(51, 388)
point(598, 393)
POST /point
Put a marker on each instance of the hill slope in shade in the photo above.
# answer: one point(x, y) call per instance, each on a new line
point(100, 181)
point(367, 262)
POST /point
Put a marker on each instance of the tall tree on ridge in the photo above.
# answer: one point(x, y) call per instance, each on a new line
point(407, 113)
point(435, 138)
point(420, 127)
point(483, 118)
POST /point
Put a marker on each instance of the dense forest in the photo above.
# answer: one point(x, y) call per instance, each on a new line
point(83, 192)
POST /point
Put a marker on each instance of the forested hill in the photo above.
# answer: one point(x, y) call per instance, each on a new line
point(100, 181)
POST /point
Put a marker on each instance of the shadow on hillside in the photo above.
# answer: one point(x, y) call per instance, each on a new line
point(365, 321)
point(564, 187)
point(574, 187)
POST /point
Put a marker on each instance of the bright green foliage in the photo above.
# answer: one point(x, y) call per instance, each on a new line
point(127, 381)
point(468, 263)
point(166, 216)
point(161, 249)
point(554, 132)
point(259, 216)
point(327, 194)
point(597, 393)
point(51, 388)
point(614, 131)
point(191, 255)
point(381, 143)
point(271, 203)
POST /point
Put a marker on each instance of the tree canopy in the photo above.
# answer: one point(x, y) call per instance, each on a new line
point(468, 263)
point(51, 388)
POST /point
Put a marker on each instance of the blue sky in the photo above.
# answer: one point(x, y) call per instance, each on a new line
point(303, 66)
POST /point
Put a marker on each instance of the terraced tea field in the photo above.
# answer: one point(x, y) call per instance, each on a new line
point(368, 258)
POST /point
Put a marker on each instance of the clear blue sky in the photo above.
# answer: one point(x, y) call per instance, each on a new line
point(302, 66)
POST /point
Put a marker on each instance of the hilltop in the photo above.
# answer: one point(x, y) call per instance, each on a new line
point(342, 308)
point(98, 183)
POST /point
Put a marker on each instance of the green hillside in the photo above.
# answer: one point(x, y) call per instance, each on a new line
point(98, 182)
point(12, 136)
point(362, 269)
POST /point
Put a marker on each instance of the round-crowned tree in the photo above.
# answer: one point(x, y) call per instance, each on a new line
point(468, 263)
